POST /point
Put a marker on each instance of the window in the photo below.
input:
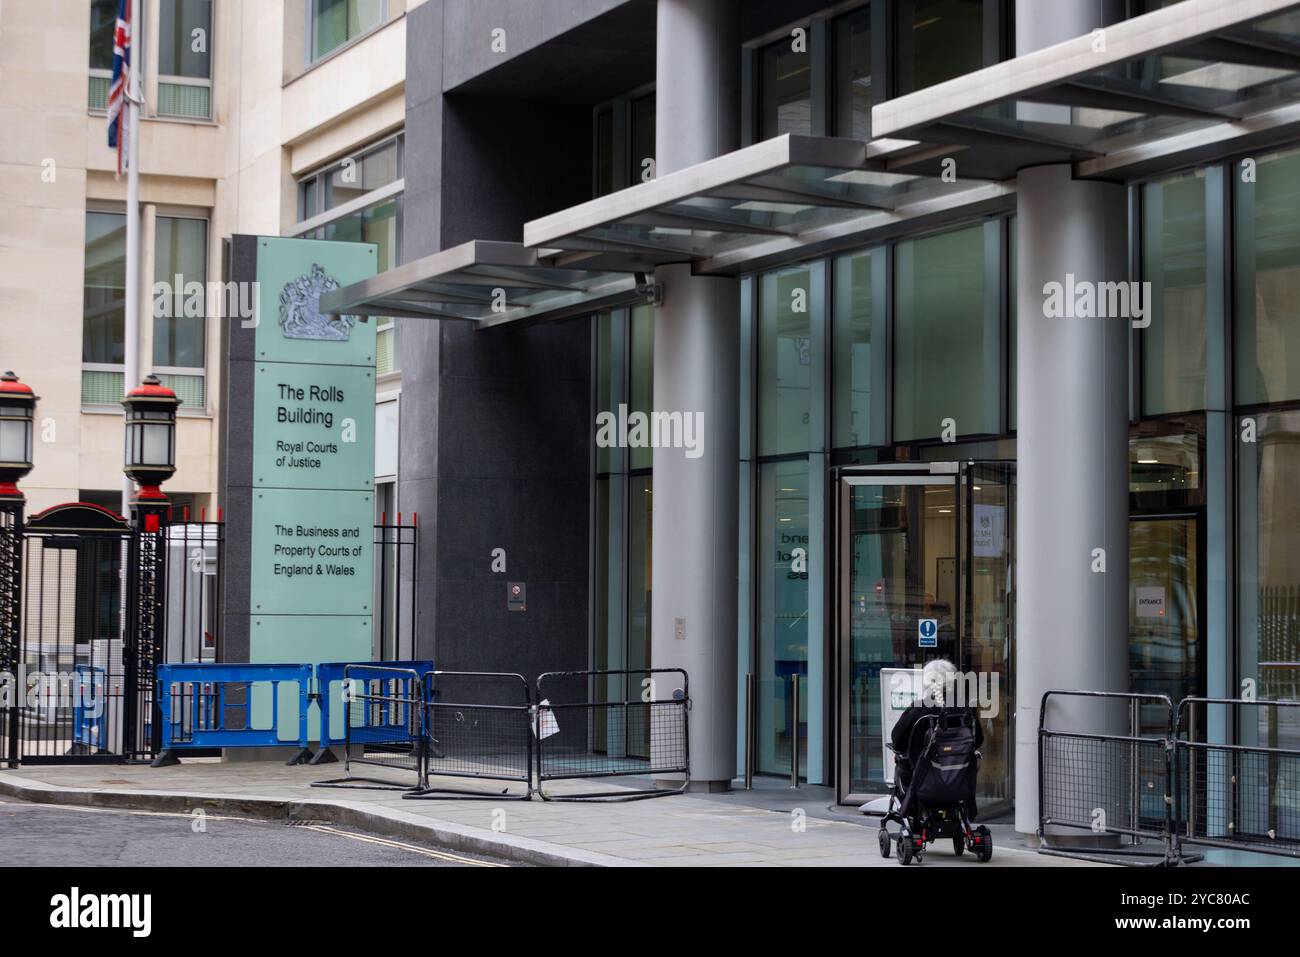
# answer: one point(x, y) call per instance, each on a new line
point(938, 40)
point(643, 139)
point(642, 385)
point(859, 350)
point(852, 89)
point(104, 290)
point(785, 87)
point(623, 527)
point(1269, 555)
point(103, 22)
point(625, 143)
point(1013, 319)
point(180, 251)
point(336, 22)
point(179, 328)
point(784, 361)
point(1267, 259)
point(782, 614)
point(185, 58)
point(1174, 261)
point(947, 335)
point(366, 191)
point(605, 161)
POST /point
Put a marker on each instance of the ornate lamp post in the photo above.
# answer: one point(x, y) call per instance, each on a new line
point(17, 412)
point(149, 460)
point(150, 456)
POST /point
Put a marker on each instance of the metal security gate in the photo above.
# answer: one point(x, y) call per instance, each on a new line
point(1176, 784)
point(87, 604)
point(1105, 783)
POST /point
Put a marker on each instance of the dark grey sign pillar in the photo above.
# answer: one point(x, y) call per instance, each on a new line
point(1071, 442)
point(696, 373)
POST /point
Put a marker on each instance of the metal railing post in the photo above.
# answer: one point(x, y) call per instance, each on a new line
point(749, 731)
point(1135, 757)
point(1191, 770)
point(794, 731)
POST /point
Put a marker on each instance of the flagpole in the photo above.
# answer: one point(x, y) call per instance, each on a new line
point(132, 324)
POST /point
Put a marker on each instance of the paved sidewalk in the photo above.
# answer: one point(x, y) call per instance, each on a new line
point(770, 826)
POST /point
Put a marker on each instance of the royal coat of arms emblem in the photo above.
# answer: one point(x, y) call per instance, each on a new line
point(300, 315)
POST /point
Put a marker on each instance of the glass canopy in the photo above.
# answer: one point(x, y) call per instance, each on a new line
point(786, 197)
point(489, 283)
point(1142, 91)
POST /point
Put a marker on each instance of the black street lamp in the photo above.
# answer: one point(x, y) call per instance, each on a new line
point(17, 411)
point(150, 457)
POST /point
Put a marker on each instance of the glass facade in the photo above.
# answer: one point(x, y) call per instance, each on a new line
point(851, 87)
point(784, 361)
point(782, 632)
point(624, 507)
point(938, 40)
point(859, 352)
point(785, 86)
point(1269, 522)
point(948, 335)
point(1267, 262)
point(905, 354)
point(1175, 261)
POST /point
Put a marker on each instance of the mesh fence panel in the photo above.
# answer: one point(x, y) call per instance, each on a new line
point(1109, 784)
point(478, 725)
point(635, 737)
point(595, 724)
point(384, 725)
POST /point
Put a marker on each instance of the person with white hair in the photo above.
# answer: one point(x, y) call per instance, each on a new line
point(938, 684)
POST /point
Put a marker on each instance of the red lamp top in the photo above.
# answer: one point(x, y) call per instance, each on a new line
point(151, 390)
point(9, 385)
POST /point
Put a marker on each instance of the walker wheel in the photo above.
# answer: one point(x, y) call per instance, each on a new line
point(884, 841)
point(904, 851)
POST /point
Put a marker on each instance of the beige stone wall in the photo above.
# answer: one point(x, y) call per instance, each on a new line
point(238, 170)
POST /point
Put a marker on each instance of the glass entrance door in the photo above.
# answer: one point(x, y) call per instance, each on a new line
point(926, 566)
point(898, 558)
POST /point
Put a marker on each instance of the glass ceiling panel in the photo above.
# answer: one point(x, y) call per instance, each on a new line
point(489, 283)
point(1043, 106)
point(783, 188)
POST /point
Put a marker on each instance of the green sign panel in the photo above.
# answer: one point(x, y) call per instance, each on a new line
point(321, 433)
point(312, 561)
point(312, 554)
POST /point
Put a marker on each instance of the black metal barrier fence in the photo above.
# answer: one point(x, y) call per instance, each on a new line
point(597, 724)
point(1243, 796)
point(383, 728)
point(478, 725)
point(1163, 782)
point(1106, 783)
point(486, 726)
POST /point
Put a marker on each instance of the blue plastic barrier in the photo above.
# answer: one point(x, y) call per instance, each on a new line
point(327, 673)
point(196, 707)
point(90, 723)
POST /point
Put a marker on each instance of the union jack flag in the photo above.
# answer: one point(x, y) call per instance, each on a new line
point(117, 90)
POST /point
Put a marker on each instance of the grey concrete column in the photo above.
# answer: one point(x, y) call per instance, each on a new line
point(696, 373)
point(1072, 440)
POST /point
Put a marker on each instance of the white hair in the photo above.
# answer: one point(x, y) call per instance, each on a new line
point(936, 677)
